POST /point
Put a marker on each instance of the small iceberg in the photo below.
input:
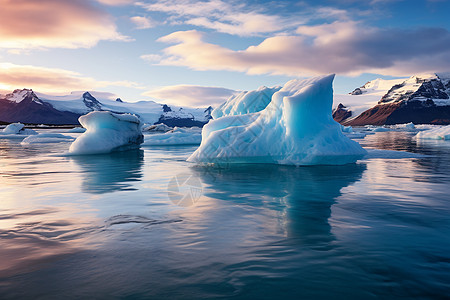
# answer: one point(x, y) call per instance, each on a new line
point(45, 138)
point(16, 130)
point(107, 132)
point(77, 130)
point(177, 136)
point(440, 133)
point(296, 128)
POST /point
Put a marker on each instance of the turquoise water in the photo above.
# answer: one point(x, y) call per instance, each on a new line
point(147, 224)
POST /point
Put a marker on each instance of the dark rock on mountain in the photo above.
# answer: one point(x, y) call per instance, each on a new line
point(341, 113)
point(403, 112)
point(357, 91)
point(180, 122)
point(119, 100)
point(166, 108)
point(91, 102)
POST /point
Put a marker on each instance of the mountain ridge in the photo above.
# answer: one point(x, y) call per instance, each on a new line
point(26, 106)
point(421, 99)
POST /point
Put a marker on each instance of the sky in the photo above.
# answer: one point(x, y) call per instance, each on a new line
point(198, 53)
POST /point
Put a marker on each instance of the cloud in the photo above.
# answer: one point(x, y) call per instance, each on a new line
point(191, 95)
point(27, 24)
point(224, 16)
point(142, 22)
point(116, 2)
point(346, 47)
point(50, 80)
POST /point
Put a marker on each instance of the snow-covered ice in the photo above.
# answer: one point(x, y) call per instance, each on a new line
point(177, 136)
point(440, 133)
point(107, 132)
point(296, 128)
point(77, 130)
point(245, 102)
point(46, 138)
point(347, 129)
point(18, 128)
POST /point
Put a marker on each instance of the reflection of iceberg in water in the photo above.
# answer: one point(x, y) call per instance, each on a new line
point(302, 196)
point(108, 173)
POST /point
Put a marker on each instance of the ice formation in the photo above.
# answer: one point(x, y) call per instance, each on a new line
point(77, 130)
point(46, 138)
point(347, 129)
point(177, 136)
point(107, 132)
point(18, 128)
point(245, 102)
point(296, 128)
point(440, 133)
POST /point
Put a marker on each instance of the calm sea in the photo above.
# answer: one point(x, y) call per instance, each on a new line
point(147, 224)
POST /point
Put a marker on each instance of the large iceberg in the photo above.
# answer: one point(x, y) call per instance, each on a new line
point(439, 133)
point(107, 132)
point(296, 128)
point(245, 102)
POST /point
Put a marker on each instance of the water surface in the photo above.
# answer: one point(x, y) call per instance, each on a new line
point(146, 224)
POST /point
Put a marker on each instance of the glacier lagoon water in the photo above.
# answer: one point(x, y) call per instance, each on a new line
point(147, 224)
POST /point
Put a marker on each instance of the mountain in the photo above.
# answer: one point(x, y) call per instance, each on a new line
point(421, 99)
point(29, 107)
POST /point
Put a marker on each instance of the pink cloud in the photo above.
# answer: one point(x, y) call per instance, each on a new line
point(50, 80)
point(28, 24)
point(344, 47)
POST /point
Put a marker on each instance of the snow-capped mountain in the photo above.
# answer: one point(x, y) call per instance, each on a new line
point(27, 106)
point(421, 99)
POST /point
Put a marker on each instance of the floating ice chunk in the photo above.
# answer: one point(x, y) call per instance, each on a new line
point(47, 138)
point(440, 133)
point(381, 129)
point(296, 128)
point(157, 128)
point(107, 132)
point(77, 130)
point(245, 102)
point(347, 129)
point(18, 128)
point(177, 136)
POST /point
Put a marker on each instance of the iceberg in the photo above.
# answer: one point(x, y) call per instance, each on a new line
point(18, 128)
point(177, 136)
point(440, 133)
point(296, 128)
point(46, 138)
point(77, 130)
point(245, 102)
point(107, 132)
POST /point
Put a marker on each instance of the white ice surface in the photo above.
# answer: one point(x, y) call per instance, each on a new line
point(439, 133)
point(107, 132)
point(46, 138)
point(245, 102)
point(17, 128)
point(177, 136)
point(296, 128)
